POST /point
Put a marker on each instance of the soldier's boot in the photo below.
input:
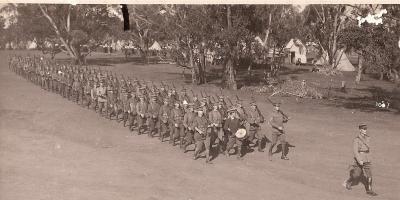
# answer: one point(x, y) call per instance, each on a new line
point(283, 157)
point(347, 183)
point(369, 188)
point(259, 146)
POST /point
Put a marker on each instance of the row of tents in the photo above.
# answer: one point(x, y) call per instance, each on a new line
point(300, 53)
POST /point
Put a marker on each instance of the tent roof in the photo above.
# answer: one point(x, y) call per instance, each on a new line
point(155, 46)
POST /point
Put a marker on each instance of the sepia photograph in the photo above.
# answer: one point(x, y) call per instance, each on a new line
point(199, 101)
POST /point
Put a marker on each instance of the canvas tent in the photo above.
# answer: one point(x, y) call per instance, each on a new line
point(296, 51)
point(342, 61)
point(155, 46)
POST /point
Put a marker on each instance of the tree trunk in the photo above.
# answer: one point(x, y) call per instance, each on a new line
point(381, 75)
point(53, 24)
point(229, 66)
point(396, 76)
point(231, 82)
point(360, 69)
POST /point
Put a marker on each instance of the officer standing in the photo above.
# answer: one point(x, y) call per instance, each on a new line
point(362, 163)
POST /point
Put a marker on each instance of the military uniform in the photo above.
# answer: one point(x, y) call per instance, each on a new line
point(153, 111)
point(201, 137)
point(232, 124)
point(254, 119)
point(141, 110)
point(176, 125)
point(362, 161)
point(277, 120)
point(188, 120)
point(164, 121)
point(132, 112)
point(215, 120)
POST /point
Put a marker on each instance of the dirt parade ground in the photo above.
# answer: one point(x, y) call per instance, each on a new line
point(54, 149)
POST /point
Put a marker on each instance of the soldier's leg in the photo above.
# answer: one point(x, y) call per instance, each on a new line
point(198, 148)
point(163, 130)
point(188, 139)
point(282, 139)
point(230, 144)
point(182, 135)
point(171, 133)
point(208, 144)
point(140, 124)
point(274, 139)
point(368, 176)
point(260, 136)
point(151, 126)
point(239, 144)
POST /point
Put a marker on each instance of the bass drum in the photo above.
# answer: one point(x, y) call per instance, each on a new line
point(241, 133)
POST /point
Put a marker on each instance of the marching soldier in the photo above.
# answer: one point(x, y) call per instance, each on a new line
point(362, 161)
point(201, 135)
point(101, 98)
point(164, 114)
point(215, 119)
point(153, 111)
point(231, 126)
point(276, 122)
point(254, 119)
point(188, 120)
point(132, 112)
point(86, 99)
point(177, 129)
point(110, 100)
point(141, 109)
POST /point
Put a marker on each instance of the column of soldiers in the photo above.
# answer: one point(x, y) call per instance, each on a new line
point(205, 121)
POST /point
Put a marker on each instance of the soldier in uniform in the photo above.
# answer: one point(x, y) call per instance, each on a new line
point(87, 97)
point(201, 135)
point(176, 126)
point(164, 114)
point(152, 118)
point(215, 119)
point(132, 111)
point(232, 124)
point(362, 161)
point(254, 119)
point(101, 98)
point(188, 120)
point(110, 100)
point(276, 122)
point(141, 109)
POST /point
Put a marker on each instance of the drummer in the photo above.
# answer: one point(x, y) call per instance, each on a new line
point(231, 127)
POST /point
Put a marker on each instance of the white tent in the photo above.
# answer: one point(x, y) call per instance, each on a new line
point(342, 61)
point(297, 51)
point(155, 46)
point(31, 45)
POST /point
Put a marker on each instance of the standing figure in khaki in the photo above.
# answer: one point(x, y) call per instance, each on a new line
point(132, 111)
point(101, 98)
point(177, 129)
point(277, 120)
point(201, 136)
point(231, 126)
point(188, 120)
point(215, 119)
point(254, 119)
point(141, 109)
point(164, 114)
point(362, 161)
point(152, 117)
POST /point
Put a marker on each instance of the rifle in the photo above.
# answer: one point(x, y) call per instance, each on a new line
point(286, 117)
